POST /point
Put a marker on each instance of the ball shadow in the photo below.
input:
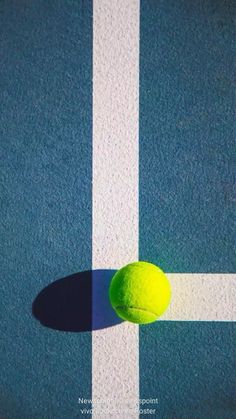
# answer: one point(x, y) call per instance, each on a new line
point(77, 303)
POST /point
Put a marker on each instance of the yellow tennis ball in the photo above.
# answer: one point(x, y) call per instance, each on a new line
point(140, 292)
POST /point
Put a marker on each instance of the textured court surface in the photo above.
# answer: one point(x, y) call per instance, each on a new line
point(186, 212)
point(177, 118)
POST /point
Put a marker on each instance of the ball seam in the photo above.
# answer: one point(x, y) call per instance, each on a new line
point(135, 308)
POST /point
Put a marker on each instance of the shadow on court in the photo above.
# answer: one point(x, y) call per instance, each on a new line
point(77, 303)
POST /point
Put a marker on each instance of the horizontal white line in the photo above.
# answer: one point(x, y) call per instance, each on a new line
point(202, 297)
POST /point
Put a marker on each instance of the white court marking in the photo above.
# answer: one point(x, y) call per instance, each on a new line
point(115, 364)
point(202, 297)
point(195, 297)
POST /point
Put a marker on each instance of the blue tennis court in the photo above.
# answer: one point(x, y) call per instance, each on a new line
point(51, 131)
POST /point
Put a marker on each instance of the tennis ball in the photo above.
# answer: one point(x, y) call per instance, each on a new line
point(139, 292)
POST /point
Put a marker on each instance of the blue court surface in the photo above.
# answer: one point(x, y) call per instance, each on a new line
point(186, 199)
point(187, 148)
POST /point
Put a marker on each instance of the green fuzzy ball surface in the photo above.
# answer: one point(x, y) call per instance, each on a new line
point(140, 292)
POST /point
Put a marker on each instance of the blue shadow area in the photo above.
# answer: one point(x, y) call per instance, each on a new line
point(103, 314)
point(77, 303)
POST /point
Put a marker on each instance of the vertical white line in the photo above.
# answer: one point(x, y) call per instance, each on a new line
point(115, 372)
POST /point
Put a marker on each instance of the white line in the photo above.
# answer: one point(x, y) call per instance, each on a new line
point(202, 297)
point(115, 371)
